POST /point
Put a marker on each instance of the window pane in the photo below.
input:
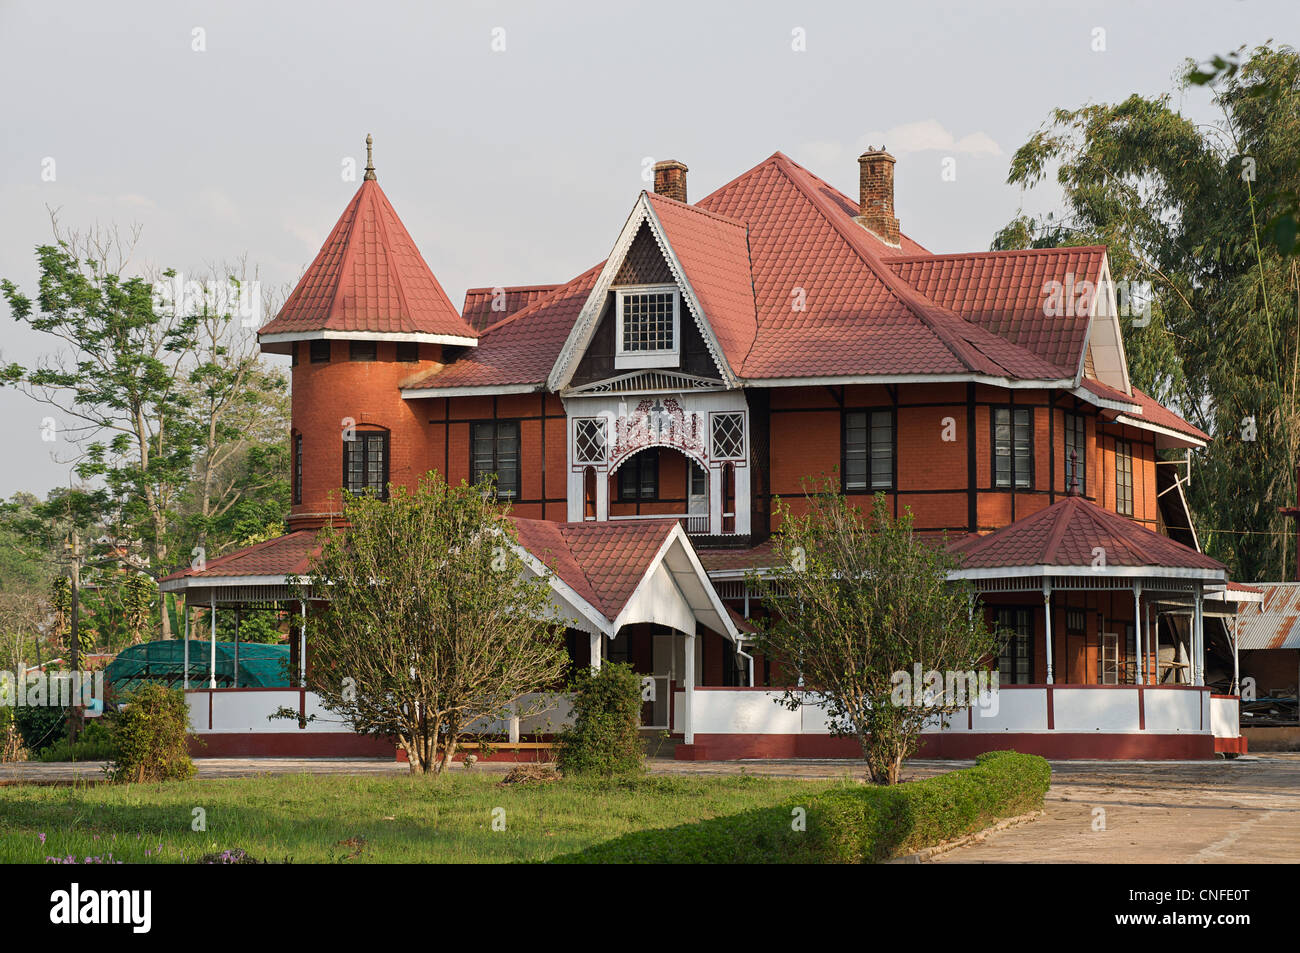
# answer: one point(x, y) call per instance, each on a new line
point(648, 321)
point(855, 451)
point(882, 450)
point(1023, 449)
point(508, 459)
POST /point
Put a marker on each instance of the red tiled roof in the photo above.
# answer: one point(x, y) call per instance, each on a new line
point(1067, 532)
point(602, 561)
point(714, 254)
point(733, 560)
point(283, 556)
point(522, 348)
point(1005, 292)
point(369, 276)
point(855, 316)
point(1156, 413)
point(477, 310)
point(1149, 409)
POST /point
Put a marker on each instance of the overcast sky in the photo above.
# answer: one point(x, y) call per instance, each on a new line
point(519, 165)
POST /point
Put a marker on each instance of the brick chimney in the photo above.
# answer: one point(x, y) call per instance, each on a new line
point(876, 201)
point(670, 179)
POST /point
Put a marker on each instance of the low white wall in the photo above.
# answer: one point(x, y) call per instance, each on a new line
point(1096, 709)
point(1075, 708)
point(1225, 717)
point(248, 710)
point(1175, 710)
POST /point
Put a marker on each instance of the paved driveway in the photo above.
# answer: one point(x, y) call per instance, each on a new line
point(1241, 811)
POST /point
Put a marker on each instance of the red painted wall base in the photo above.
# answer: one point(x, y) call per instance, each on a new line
point(1230, 745)
point(289, 744)
point(1056, 745)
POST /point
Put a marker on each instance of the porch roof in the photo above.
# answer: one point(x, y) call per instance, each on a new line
point(267, 563)
point(619, 573)
point(1066, 538)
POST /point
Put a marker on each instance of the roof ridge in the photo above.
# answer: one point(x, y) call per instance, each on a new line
point(345, 259)
point(492, 288)
point(909, 259)
point(671, 202)
point(390, 262)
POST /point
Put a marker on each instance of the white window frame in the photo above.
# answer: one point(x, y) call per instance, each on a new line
point(660, 358)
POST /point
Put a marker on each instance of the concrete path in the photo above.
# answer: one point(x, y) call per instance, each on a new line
point(1241, 811)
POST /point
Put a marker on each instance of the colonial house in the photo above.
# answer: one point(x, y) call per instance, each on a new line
point(641, 417)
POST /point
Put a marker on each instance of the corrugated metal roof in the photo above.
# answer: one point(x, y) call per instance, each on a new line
point(1273, 623)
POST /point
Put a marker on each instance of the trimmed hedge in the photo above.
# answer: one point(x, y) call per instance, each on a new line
point(848, 825)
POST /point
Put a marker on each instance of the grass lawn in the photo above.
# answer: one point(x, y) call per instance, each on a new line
point(324, 819)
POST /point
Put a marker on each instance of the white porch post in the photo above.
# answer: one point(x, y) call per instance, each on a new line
point(688, 728)
point(1047, 616)
point(602, 494)
point(1198, 637)
point(212, 625)
point(514, 722)
point(302, 644)
point(1153, 632)
point(185, 683)
point(717, 476)
point(595, 651)
point(1139, 676)
point(1236, 667)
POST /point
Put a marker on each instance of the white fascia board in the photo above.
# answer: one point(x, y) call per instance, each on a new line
point(414, 393)
point(1006, 382)
point(1123, 572)
point(1180, 439)
point(286, 337)
point(215, 582)
point(677, 534)
point(570, 595)
point(1235, 595)
point(1105, 403)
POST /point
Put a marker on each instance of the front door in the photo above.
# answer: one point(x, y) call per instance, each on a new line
point(655, 708)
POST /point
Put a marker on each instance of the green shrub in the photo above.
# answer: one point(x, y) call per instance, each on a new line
point(847, 825)
point(153, 737)
point(41, 726)
point(604, 738)
point(95, 743)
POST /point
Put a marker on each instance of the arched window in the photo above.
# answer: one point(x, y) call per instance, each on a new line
point(365, 462)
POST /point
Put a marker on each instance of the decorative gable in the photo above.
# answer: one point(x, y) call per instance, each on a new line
point(654, 304)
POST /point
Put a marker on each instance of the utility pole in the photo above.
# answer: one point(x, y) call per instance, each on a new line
point(73, 546)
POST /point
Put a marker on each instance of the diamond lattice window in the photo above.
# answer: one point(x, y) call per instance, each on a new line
point(728, 436)
point(589, 440)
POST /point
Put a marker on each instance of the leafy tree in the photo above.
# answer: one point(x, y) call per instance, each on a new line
point(118, 385)
point(1199, 211)
point(857, 601)
point(240, 409)
point(432, 620)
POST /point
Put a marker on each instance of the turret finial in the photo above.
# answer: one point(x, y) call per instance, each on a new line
point(370, 159)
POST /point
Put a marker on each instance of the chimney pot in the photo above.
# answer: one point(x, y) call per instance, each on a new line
point(670, 179)
point(876, 198)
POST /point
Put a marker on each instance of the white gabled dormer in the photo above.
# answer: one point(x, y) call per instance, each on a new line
point(651, 320)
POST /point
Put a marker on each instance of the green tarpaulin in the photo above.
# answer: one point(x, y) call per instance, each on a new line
point(260, 666)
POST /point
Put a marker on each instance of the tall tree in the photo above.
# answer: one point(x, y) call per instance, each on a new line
point(1199, 212)
point(240, 408)
point(859, 606)
point(431, 621)
point(118, 385)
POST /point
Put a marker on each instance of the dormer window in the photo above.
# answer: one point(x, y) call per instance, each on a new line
point(649, 325)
